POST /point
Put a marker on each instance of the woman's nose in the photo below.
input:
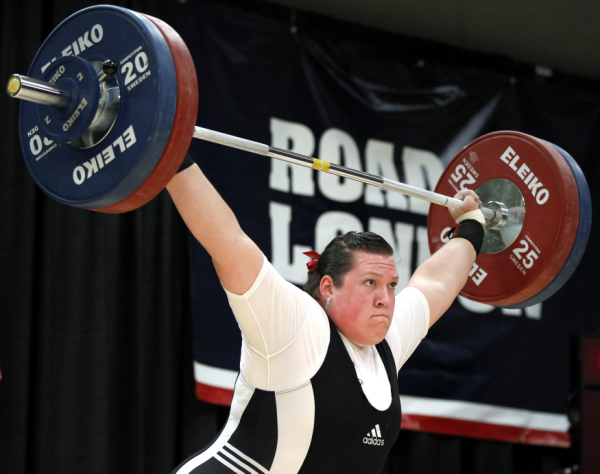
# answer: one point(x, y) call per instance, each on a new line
point(383, 297)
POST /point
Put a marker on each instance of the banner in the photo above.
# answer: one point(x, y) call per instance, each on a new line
point(486, 372)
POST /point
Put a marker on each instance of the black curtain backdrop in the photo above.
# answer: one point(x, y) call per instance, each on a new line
point(95, 326)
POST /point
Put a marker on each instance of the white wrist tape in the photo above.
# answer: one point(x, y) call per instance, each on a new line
point(476, 215)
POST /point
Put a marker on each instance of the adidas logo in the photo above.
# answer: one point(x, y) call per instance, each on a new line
point(374, 437)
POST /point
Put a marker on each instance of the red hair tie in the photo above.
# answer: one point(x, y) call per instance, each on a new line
point(312, 265)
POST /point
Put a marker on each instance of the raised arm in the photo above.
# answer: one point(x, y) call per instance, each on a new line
point(236, 258)
point(441, 277)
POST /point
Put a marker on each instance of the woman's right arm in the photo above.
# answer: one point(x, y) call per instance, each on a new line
point(278, 320)
point(237, 259)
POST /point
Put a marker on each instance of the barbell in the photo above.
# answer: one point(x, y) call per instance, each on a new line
point(109, 110)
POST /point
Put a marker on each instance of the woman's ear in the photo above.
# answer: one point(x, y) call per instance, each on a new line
point(326, 287)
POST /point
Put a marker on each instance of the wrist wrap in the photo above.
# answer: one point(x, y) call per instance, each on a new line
point(476, 214)
point(470, 230)
point(187, 162)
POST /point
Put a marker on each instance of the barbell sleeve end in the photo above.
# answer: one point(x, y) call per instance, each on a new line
point(14, 85)
point(40, 92)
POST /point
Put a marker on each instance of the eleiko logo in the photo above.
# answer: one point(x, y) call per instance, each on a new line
point(374, 437)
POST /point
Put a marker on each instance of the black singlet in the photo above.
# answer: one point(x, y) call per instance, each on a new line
point(324, 426)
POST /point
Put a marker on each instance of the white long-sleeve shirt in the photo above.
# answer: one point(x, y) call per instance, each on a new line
point(286, 335)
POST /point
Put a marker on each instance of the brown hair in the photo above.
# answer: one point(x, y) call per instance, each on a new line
point(338, 258)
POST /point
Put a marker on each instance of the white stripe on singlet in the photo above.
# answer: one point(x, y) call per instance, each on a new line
point(247, 458)
point(237, 461)
point(233, 468)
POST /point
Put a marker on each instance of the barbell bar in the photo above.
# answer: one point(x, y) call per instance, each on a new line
point(332, 168)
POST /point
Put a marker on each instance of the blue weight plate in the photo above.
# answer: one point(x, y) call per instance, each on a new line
point(581, 237)
point(112, 169)
point(79, 76)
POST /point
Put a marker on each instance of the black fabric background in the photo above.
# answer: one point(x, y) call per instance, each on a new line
point(95, 327)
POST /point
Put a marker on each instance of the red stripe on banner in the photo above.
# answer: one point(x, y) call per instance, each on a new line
point(475, 429)
point(215, 395)
point(434, 424)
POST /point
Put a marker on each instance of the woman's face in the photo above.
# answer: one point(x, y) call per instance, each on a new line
point(363, 306)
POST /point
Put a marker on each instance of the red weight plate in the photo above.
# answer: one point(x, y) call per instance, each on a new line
point(549, 190)
point(183, 125)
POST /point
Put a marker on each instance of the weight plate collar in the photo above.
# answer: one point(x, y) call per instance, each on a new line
point(79, 76)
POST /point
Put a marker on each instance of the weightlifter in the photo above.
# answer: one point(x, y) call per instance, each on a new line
point(318, 390)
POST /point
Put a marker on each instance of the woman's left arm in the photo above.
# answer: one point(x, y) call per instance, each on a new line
point(441, 277)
